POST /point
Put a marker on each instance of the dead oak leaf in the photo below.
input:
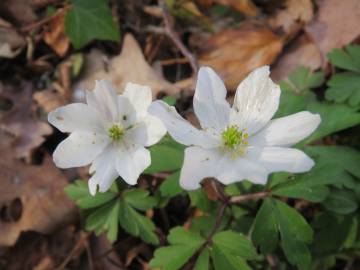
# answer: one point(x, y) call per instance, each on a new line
point(129, 66)
point(336, 24)
point(27, 131)
point(293, 16)
point(54, 34)
point(35, 194)
point(236, 52)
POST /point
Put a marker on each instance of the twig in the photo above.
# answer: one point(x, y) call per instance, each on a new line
point(219, 216)
point(73, 252)
point(171, 33)
point(251, 196)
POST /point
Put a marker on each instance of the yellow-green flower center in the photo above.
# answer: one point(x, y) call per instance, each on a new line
point(233, 137)
point(116, 132)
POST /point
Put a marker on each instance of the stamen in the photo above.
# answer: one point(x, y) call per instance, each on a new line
point(235, 140)
point(116, 132)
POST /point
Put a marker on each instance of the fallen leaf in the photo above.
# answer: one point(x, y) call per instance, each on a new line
point(49, 99)
point(18, 11)
point(244, 6)
point(54, 34)
point(19, 121)
point(329, 29)
point(293, 16)
point(302, 52)
point(35, 196)
point(129, 66)
point(336, 24)
point(234, 53)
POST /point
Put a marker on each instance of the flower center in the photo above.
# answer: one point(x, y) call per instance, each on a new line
point(235, 139)
point(116, 132)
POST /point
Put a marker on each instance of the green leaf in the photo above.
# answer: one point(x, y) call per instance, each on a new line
point(79, 192)
point(334, 117)
point(340, 157)
point(341, 202)
point(223, 260)
point(137, 224)
point(234, 243)
point(295, 234)
point(171, 187)
point(348, 59)
point(87, 20)
point(200, 200)
point(265, 231)
point(344, 86)
point(104, 219)
point(310, 186)
point(183, 245)
point(139, 199)
point(302, 79)
point(166, 156)
point(202, 263)
point(291, 103)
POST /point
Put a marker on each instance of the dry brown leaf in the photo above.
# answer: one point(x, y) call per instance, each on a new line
point(54, 34)
point(49, 99)
point(244, 6)
point(27, 132)
point(330, 29)
point(18, 11)
point(301, 52)
point(295, 14)
point(336, 24)
point(33, 196)
point(129, 66)
point(234, 53)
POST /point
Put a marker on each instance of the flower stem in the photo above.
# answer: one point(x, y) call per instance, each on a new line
point(251, 196)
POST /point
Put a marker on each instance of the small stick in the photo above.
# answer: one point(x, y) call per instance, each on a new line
point(171, 33)
point(247, 197)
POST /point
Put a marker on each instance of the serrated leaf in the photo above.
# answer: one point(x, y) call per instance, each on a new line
point(295, 234)
point(202, 263)
point(291, 103)
point(97, 220)
point(79, 192)
point(303, 79)
point(139, 199)
point(227, 261)
point(137, 224)
point(344, 86)
point(183, 246)
point(234, 243)
point(341, 202)
point(87, 20)
point(330, 119)
point(265, 231)
point(166, 156)
point(348, 59)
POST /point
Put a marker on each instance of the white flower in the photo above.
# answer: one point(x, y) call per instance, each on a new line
point(240, 142)
point(111, 131)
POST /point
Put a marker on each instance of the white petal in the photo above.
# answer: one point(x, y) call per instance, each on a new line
point(236, 170)
point(210, 103)
point(131, 161)
point(76, 116)
point(127, 114)
point(140, 97)
point(287, 130)
point(104, 171)
point(79, 149)
point(181, 130)
point(277, 159)
point(202, 163)
point(104, 99)
point(198, 164)
point(147, 132)
point(256, 101)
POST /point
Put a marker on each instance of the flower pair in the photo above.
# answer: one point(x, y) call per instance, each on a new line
point(234, 143)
